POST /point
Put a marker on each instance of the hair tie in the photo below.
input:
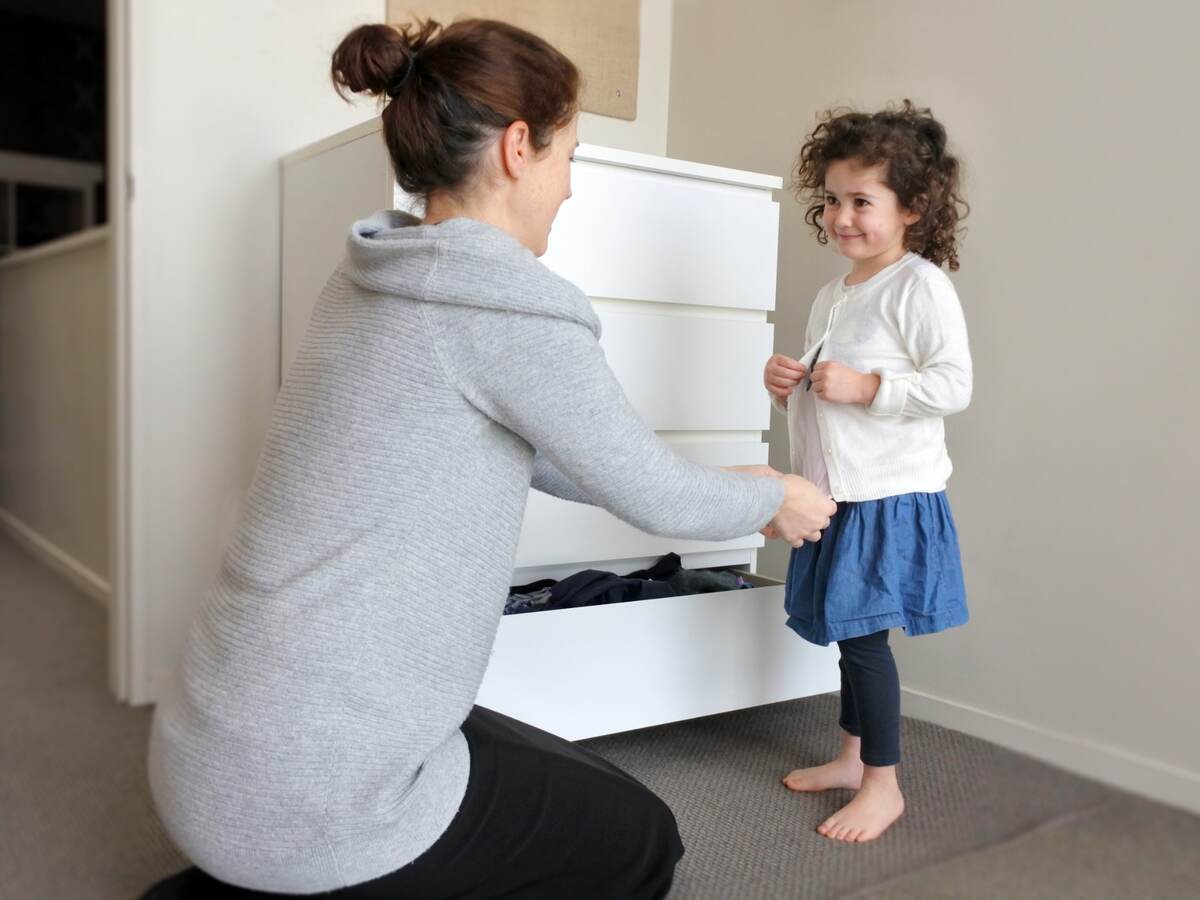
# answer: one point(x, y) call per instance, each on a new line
point(397, 82)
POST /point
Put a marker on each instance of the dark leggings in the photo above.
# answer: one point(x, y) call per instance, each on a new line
point(871, 697)
point(542, 819)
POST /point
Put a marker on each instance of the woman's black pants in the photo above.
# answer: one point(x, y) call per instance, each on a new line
point(542, 819)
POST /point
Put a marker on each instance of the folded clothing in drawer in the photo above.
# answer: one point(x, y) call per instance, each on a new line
point(591, 587)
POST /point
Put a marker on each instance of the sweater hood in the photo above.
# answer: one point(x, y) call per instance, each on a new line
point(462, 262)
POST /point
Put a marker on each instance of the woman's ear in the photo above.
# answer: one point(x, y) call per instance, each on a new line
point(516, 149)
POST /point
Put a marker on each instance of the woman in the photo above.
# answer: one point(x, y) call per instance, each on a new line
point(323, 735)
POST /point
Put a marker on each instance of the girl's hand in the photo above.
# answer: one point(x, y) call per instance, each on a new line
point(835, 383)
point(781, 375)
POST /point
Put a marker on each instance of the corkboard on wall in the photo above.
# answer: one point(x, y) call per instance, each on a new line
point(600, 36)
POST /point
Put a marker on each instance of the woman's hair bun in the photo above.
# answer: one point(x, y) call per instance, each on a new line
point(450, 91)
point(373, 59)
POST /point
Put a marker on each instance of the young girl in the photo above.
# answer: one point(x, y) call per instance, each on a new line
point(885, 359)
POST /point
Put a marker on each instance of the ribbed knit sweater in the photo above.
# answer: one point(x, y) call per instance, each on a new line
point(904, 324)
point(313, 738)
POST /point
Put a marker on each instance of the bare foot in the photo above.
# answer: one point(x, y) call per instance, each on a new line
point(841, 773)
point(877, 805)
point(844, 772)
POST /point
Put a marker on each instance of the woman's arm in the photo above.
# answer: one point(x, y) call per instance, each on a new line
point(546, 379)
point(548, 480)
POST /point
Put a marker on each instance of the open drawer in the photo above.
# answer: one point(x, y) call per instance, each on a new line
point(602, 669)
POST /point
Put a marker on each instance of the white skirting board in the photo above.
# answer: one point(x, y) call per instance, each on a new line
point(1111, 765)
point(55, 558)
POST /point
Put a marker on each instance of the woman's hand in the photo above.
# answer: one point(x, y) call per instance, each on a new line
point(805, 512)
point(781, 374)
point(835, 383)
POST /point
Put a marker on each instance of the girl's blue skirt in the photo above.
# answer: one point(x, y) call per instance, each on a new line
point(890, 563)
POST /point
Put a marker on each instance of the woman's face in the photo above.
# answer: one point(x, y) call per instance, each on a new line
point(546, 185)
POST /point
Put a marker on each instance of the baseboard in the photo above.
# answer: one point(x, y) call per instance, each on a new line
point(55, 558)
point(1129, 771)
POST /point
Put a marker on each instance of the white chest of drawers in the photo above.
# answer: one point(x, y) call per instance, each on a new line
point(679, 260)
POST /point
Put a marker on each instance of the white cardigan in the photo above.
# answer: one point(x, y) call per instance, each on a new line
point(906, 325)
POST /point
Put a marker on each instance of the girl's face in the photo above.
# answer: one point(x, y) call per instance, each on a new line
point(863, 217)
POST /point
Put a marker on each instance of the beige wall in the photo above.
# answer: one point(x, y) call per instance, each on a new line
point(648, 132)
point(219, 92)
point(54, 404)
point(1076, 490)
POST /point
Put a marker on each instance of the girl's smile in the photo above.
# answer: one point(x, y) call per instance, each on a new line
point(864, 216)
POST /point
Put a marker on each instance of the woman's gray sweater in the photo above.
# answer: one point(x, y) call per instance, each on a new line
point(313, 739)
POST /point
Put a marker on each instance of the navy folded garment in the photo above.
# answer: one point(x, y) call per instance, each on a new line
point(593, 588)
point(683, 581)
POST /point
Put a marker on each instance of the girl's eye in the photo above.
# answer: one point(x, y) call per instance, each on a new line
point(831, 201)
point(861, 202)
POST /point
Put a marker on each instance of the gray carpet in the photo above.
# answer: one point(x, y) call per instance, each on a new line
point(75, 816)
point(1124, 849)
point(749, 837)
point(76, 821)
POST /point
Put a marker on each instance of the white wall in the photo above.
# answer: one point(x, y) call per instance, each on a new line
point(220, 91)
point(1076, 490)
point(54, 405)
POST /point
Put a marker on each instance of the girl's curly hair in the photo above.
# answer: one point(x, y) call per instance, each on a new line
point(912, 145)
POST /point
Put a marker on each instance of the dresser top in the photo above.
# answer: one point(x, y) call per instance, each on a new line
point(587, 153)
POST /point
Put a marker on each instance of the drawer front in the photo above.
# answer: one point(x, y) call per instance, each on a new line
point(636, 235)
point(684, 372)
point(584, 672)
point(556, 531)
